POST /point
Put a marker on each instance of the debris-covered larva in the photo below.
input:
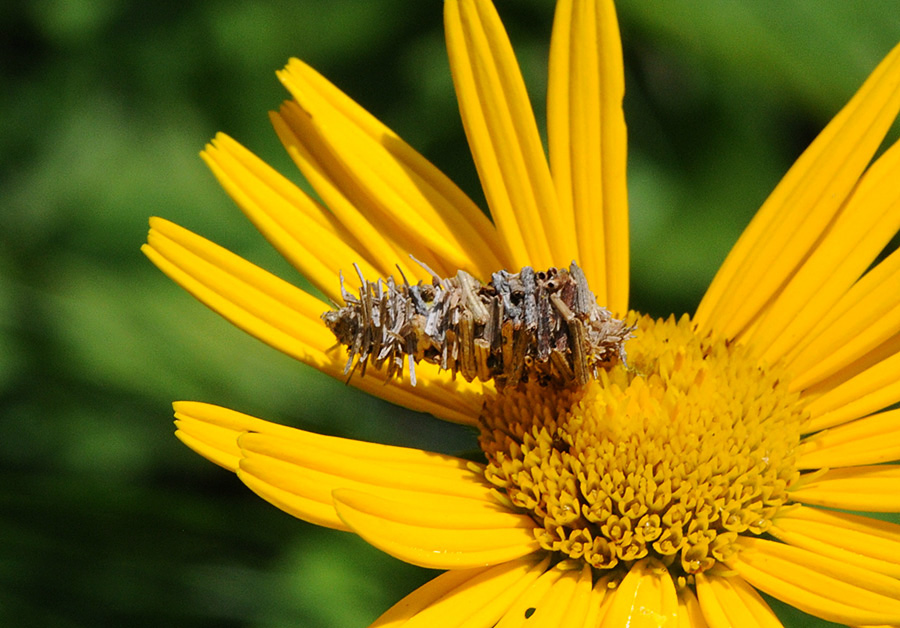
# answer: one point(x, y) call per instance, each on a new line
point(524, 326)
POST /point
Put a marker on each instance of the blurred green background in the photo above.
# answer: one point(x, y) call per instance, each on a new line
point(105, 519)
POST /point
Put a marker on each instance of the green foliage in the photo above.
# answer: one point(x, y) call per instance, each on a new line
point(105, 518)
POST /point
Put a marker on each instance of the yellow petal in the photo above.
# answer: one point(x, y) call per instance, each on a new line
point(375, 464)
point(447, 585)
point(300, 477)
point(324, 170)
point(791, 221)
point(292, 490)
point(288, 319)
point(818, 585)
point(258, 302)
point(561, 597)
point(429, 535)
point(219, 428)
point(298, 486)
point(870, 440)
point(587, 141)
point(467, 597)
point(860, 232)
point(862, 321)
point(870, 488)
point(525, 605)
point(645, 598)
point(297, 471)
point(690, 615)
point(503, 136)
point(394, 186)
point(214, 442)
point(606, 603)
point(567, 603)
point(304, 144)
point(300, 229)
point(732, 603)
point(869, 543)
point(598, 604)
point(869, 391)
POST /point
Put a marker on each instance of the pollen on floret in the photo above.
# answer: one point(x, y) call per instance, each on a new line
point(671, 456)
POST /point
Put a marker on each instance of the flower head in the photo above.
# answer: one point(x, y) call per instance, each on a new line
point(725, 456)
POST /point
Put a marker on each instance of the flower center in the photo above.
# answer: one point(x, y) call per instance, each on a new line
point(672, 456)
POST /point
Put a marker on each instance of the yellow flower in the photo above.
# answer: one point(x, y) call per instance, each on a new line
point(721, 461)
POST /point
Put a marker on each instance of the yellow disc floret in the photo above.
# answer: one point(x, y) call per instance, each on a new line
point(671, 456)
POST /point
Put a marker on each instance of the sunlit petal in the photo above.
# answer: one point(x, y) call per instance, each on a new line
point(870, 440)
point(731, 602)
point(298, 471)
point(306, 234)
point(444, 534)
point(317, 162)
point(503, 136)
point(690, 615)
point(862, 541)
point(464, 597)
point(587, 141)
point(869, 391)
point(871, 488)
point(857, 327)
point(646, 598)
point(860, 231)
point(790, 223)
point(561, 598)
point(819, 585)
point(393, 185)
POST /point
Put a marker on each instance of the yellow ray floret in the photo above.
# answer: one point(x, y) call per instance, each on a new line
point(565, 603)
point(303, 231)
point(867, 316)
point(390, 183)
point(300, 479)
point(503, 136)
point(587, 142)
point(871, 440)
point(465, 597)
point(432, 534)
point(868, 391)
point(861, 230)
point(819, 585)
point(288, 319)
point(204, 416)
point(538, 606)
point(560, 597)
point(869, 488)
point(299, 471)
point(385, 239)
point(297, 132)
point(791, 221)
point(646, 598)
point(732, 603)
point(862, 541)
point(690, 615)
point(453, 210)
point(256, 301)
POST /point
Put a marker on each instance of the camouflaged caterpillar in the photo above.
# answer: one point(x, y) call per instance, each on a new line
point(527, 326)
